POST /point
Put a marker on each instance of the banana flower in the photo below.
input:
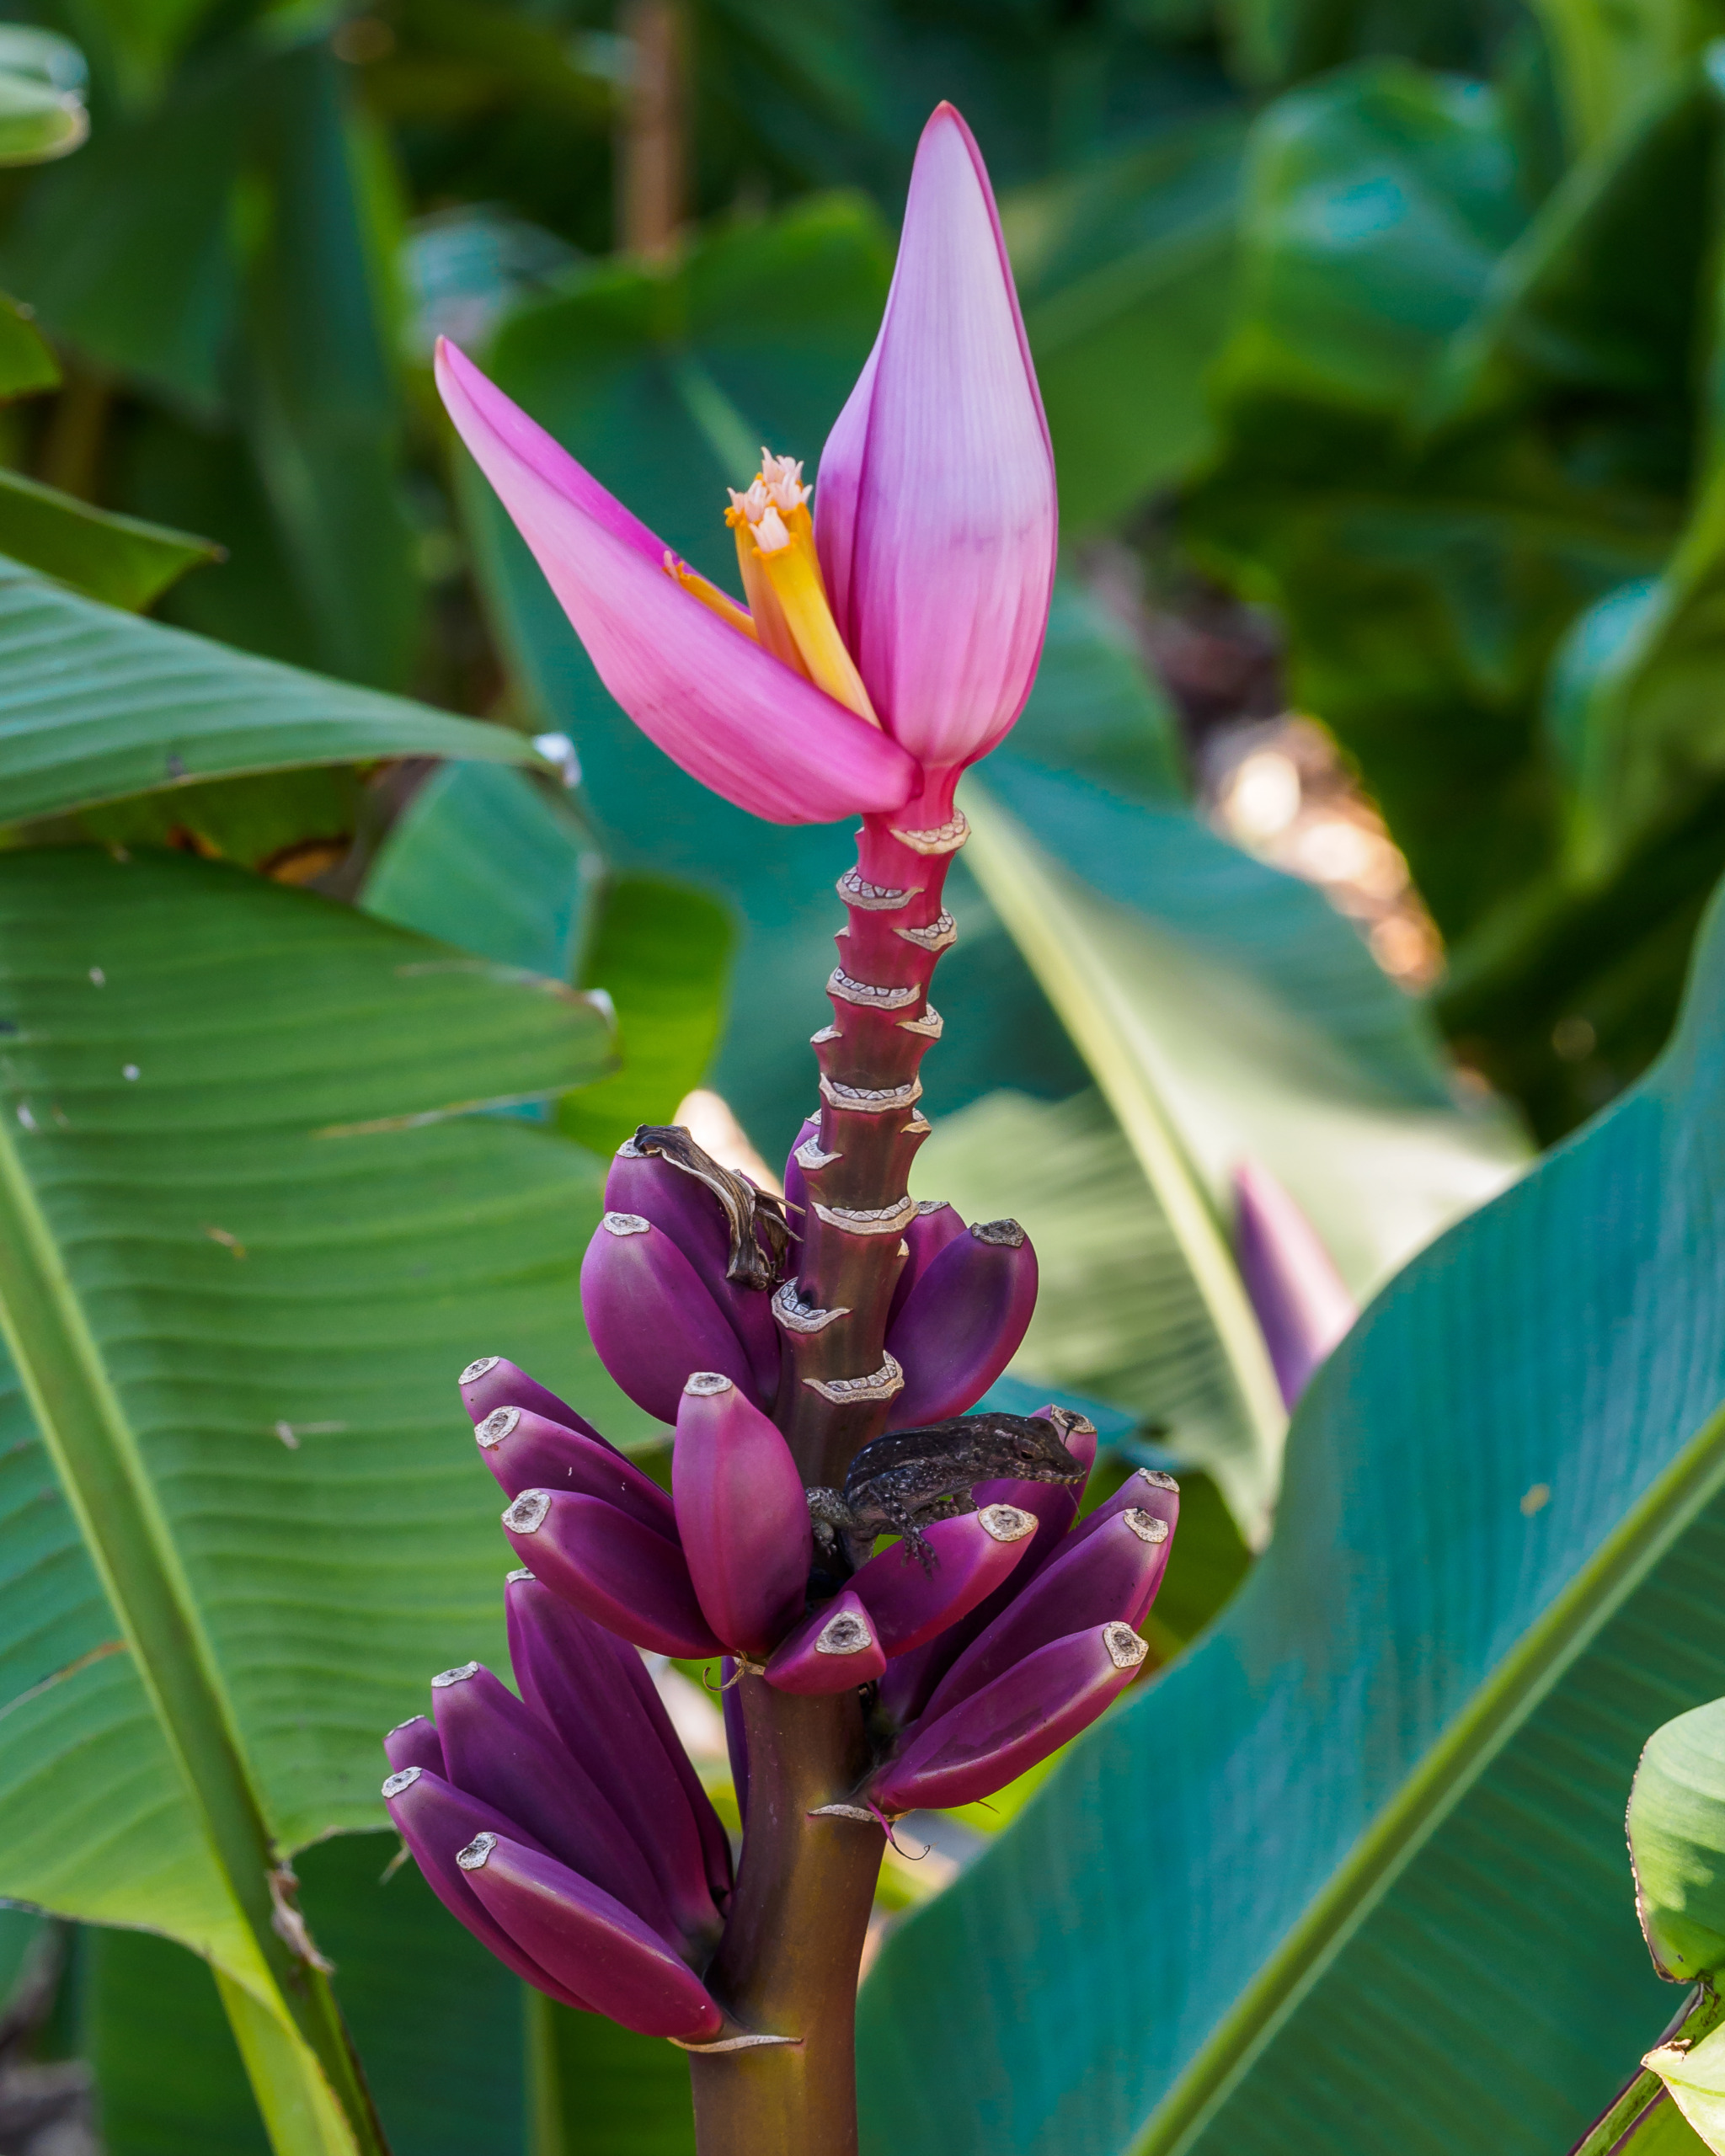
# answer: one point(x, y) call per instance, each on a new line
point(891, 635)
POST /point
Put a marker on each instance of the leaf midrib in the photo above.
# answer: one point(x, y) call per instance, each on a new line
point(96, 1456)
point(1538, 1662)
point(1028, 901)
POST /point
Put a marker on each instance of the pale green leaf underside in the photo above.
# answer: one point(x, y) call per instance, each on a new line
point(1048, 916)
point(1352, 1876)
point(96, 704)
point(281, 1314)
point(1118, 1314)
point(1204, 1065)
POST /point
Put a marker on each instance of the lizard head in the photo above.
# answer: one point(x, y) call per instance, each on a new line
point(1032, 1448)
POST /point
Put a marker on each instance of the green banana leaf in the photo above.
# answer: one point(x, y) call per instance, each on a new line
point(661, 954)
point(322, 402)
point(438, 2022)
point(485, 859)
point(1378, 1895)
point(1612, 62)
point(121, 560)
point(599, 2090)
point(1125, 270)
point(96, 705)
point(1425, 578)
point(1121, 1315)
point(126, 251)
point(27, 362)
point(239, 1237)
point(1255, 1013)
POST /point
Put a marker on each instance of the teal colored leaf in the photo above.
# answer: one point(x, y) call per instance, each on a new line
point(1094, 710)
point(1241, 1441)
point(119, 559)
point(483, 858)
point(1121, 1313)
point(1226, 1013)
point(661, 953)
point(239, 1239)
point(1383, 1900)
point(95, 705)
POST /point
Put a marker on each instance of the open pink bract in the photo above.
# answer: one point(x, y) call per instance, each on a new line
point(935, 529)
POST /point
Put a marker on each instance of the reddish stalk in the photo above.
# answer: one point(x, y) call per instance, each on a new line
point(793, 1939)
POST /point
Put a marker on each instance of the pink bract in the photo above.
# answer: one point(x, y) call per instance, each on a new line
point(934, 524)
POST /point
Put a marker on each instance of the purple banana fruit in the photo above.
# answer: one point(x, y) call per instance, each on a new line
point(834, 1650)
point(526, 1452)
point(736, 1736)
point(584, 1937)
point(1054, 1506)
point(500, 1751)
point(414, 1743)
point(995, 1735)
point(651, 1315)
point(648, 1185)
point(912, 1676)
point(436, 1819)
point(742, 1515)
point(937, 1225)
point(1304, 1306)
point(494, 1382)
point(908, 1603)
point(1110, 1576)
point(594, 1690)
point(621, 1574)
point(961, 1324)
point(1146, 1489)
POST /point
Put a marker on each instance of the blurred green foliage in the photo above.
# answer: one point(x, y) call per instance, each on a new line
point(1400, 319)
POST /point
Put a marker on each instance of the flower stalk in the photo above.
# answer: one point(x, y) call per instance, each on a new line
point(818, 1358)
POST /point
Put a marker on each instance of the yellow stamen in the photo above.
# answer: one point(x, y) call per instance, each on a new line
point(781, 577)
point(784, 548)
point(697, 587)
point(771, 626)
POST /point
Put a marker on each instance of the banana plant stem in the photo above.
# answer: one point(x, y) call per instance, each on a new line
point(788, 1964)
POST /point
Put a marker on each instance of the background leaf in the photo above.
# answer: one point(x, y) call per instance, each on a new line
point(95, 705)
point(250, 1290)
point(119, 559)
